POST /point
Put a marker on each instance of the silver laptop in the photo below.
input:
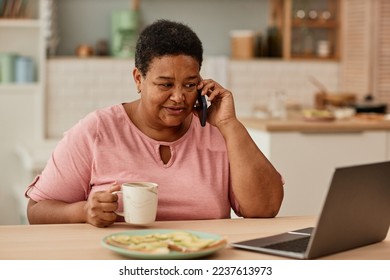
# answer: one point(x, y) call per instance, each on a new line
point(356, 212)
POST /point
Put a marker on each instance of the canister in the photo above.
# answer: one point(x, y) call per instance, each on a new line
point(7, 63)
point(24, 70)
point(323, 48)
point(242, 44)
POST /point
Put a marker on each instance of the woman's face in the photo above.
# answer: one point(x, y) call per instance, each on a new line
point(168, 91)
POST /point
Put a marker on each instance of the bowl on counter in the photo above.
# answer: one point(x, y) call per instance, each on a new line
point(338, 99)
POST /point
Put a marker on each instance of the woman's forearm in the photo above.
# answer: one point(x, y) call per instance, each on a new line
point(55, 212)
point(257, 185)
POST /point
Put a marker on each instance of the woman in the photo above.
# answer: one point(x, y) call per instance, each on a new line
point(202, 172)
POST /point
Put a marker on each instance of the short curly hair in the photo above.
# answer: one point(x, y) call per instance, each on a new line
point(164, 37)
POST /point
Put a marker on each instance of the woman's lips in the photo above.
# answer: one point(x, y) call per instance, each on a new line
point(175, 110)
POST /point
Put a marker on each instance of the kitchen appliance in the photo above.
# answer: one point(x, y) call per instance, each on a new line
point(124, 32)
point(369, 105)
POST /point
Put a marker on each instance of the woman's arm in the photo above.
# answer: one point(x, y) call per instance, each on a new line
point(98, 210)
point(55, 212)
point(256, 184)
point(61, 194)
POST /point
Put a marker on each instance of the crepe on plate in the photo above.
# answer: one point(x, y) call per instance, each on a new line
point(163, 243)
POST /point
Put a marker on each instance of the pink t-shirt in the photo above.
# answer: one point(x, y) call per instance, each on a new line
point(106, 147)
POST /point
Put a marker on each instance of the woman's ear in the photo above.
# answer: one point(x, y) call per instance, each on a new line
point(137, 76)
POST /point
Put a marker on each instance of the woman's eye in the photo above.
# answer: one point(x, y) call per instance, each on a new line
point(165, 85)
point(190, 86)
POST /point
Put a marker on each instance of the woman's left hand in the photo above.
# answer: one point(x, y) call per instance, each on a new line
point(221, 109)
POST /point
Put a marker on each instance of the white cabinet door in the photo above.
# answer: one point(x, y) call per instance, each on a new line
point(388, 146)
point(307, 162)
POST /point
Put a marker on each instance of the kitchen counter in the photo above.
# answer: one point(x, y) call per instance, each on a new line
point(355, 124)
point(306, 153)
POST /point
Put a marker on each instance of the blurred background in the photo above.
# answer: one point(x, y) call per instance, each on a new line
point(327, 59)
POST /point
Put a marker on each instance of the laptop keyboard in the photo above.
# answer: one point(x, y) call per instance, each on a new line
point(296, 245)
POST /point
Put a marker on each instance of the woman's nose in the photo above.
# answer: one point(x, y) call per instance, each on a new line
point(177, 95)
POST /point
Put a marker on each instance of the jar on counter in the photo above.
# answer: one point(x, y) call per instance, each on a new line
point(242, 44)
point(84, 50)
point(323, 48)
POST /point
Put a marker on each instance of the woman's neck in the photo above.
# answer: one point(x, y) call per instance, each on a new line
point(158, 133)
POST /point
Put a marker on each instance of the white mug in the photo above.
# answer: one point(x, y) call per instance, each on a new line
point(139, 202)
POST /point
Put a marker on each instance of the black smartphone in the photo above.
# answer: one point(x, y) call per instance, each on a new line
point(202, 103)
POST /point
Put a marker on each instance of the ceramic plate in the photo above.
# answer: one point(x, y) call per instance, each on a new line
point(173, 255)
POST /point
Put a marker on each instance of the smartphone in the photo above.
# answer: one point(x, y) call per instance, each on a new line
point(202, 103)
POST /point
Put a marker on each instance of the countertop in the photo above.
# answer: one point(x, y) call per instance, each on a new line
point(296, 124)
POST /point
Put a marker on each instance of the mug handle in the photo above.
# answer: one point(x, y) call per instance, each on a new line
point(117, 212)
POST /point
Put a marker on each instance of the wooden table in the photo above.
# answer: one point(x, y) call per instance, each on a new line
point(82, 241)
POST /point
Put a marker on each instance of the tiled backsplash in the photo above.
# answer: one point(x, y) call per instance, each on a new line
point(253, 82)
point(77, 86)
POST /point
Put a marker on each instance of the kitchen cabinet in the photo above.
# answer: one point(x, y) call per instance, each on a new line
point(21, 104)
point(310, 28)
point(388, 146)
point(307, 159)
point(23, 36)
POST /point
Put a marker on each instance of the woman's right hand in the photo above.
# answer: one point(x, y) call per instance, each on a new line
point(100, 207)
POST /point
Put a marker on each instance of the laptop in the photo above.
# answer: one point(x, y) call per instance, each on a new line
point(355, 213)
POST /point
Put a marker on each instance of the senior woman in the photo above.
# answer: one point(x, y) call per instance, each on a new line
point(202, 172)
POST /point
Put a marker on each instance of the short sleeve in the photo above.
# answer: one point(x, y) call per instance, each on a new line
point(67, 174)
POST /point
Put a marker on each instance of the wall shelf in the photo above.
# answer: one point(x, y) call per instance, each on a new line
point(296, 23)
point(20, 23)
point(20, 87)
